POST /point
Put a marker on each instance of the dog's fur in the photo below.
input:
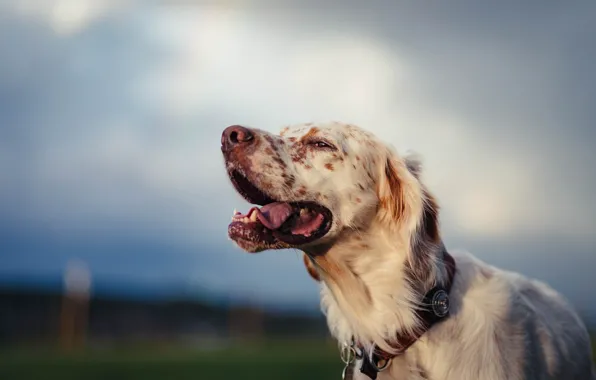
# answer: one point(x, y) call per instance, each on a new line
point(384, 252)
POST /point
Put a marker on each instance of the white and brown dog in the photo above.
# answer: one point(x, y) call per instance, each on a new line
point(393, 296)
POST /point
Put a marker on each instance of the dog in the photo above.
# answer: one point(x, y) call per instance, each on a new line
point(399, 304)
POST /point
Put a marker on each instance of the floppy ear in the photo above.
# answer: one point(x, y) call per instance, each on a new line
point(310, 268)
point(400, 193)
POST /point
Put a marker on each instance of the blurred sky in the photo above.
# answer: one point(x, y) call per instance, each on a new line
point(111, 114)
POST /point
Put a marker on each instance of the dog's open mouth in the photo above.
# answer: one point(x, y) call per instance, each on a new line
point(276, 223)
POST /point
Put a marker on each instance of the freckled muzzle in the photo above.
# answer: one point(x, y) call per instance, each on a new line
point(277, 223)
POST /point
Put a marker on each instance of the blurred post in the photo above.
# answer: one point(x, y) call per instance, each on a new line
point(75, 305)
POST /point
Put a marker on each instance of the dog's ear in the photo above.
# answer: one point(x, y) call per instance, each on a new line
point(310, 268)
point(400, 193)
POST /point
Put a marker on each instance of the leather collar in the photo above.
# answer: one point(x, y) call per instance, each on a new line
point(433, 309)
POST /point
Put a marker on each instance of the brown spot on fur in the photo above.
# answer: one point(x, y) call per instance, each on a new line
point(302, 190)
point(358, 200)
point(269, 151)
point(354, 166)
point(284, 131)
point(272, 142)
point(357, 157)
point(330, 267)
point(310, 268)
point(279, 161)
point(311, 133)
point(299, 153)
point(360, 186)
point(289, 179)
point(257, 143)
point(292, 139)
point(393, 201)
point(329, 166)
point(307, 167)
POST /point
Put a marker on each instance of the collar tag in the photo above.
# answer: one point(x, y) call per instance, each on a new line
point(439, 302)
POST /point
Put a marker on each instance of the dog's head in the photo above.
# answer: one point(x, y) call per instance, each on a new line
point(315, 183)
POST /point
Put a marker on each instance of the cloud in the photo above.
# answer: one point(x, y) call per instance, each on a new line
point(67, 17)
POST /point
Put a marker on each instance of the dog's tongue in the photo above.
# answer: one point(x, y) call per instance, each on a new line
point(274, 214)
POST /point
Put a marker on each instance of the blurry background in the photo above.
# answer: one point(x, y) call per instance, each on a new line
point(114, 259)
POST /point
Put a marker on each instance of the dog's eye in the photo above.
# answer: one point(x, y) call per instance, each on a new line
point(321, 144)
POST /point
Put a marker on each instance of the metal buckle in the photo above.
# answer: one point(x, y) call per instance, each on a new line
point(379, 365)
point(348, 355)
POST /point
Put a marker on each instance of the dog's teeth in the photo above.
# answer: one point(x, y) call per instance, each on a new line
point(253, 217)
point(303, 211)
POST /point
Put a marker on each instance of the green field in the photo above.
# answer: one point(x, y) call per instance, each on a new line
point(314, 360)
point(280, 360)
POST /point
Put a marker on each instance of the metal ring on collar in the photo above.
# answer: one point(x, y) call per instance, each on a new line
point(348, 354)
point(380, 365)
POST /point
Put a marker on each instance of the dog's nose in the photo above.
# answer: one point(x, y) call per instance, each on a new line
point(235, 135)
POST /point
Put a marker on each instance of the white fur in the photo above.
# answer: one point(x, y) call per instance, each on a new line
point(502, 325)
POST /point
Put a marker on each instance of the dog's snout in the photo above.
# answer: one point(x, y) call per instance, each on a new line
point(235, 135)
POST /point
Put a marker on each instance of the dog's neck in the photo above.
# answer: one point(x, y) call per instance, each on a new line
point(372, 284)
